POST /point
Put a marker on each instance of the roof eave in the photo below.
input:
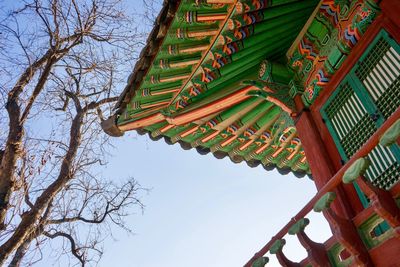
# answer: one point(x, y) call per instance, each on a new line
point(149, 51)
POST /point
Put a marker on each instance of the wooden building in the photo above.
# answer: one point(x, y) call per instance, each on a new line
point(308, 87)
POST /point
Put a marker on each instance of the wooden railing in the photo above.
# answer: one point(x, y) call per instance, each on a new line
point(315, 250)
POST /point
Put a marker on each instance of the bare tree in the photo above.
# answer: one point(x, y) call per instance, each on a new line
point(60, 61)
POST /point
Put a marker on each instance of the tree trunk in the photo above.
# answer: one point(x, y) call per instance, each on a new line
point(9, 158)
point(13, 147)
point(20, 253)
point(28, 221)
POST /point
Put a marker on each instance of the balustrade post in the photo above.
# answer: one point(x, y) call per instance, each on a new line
point(260, 262)
point(383, 204)
point(344, 231)
point(276, 248)
point(317, 255)
point(381, 201)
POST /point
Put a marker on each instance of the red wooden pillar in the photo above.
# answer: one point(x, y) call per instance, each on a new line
point(318, 158)
point(320, 162)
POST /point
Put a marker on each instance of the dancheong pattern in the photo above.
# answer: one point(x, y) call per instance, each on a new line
point(221, 80)
point(335, 30)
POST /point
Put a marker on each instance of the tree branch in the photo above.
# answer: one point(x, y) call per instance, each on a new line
point(74, 248)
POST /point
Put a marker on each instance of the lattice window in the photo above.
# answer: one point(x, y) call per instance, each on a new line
point(379, 72)
point(385, 170)
point(368, 95)
point(349, 119)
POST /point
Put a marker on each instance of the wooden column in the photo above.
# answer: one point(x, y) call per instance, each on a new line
point(320, 162)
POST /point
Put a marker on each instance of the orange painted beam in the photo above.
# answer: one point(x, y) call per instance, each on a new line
point(209, 137)
point(152, 119)
point(212, 107)
point(190, 131)
point(210, 18)
point(193, 115)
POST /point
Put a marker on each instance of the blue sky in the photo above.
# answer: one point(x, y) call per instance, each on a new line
point(202, 211)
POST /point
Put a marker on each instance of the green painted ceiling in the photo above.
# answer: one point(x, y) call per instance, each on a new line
point(191, 89)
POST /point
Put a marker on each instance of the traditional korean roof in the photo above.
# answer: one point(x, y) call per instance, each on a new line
point(213, 77)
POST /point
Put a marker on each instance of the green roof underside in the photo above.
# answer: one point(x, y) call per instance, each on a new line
point(205, 86)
